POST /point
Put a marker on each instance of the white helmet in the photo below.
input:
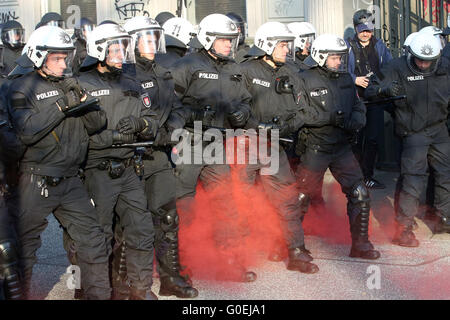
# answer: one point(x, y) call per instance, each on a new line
point(327, 45)
point(178, 32)
point(407, 43)
point(218, 26)
point(143, 28)
point(426, 47)
point(100, 41)
point(435, 31)
point(49, 39)
point(304, 32)
point(270, 33)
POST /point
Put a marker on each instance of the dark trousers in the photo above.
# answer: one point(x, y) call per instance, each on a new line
point(430, 147)
point(282, 192)
point(370, 139)
point(72, 207)
point(342, 164)
point(125, 196)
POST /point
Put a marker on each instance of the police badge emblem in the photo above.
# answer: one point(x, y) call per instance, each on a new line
point(146, 100)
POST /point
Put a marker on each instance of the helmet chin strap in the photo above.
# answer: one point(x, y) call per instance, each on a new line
point(220, 58)
point(115, 72)
point(277, 63)
point(51, 77)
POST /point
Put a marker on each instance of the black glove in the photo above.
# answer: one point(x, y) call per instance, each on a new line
point(131, 124)
point(70, 84)
point(206, 116)
point(67, 102)
point(120, 138)
point(238, 118)
point(278, 125)
point(162, 137)
point(392, 90)
point(338, 119)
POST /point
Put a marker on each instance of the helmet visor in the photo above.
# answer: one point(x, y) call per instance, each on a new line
point(225, 46)
point(151, 41)
point(421, 67)
point(284, 51)
point(14, 37)
point(120, 51)
point(86, 30)
point(54, 23)
point(59, 63)
point(306, 41)
point(337, 62)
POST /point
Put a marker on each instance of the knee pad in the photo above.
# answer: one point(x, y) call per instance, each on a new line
point(8, 255)
point(168, 218)
point(359, 201)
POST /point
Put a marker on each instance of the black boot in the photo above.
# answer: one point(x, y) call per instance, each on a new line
point(405, 237)
point(300, 260)
point(120, 286)
point(443, 224)
point(177, 286)
point(10, 271)
point(141, 294)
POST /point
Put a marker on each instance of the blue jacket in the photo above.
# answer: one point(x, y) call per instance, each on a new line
point(383, 53)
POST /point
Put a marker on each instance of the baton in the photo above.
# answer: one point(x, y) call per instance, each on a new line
point(81, 106)
point(134, 145)
point(391, 99)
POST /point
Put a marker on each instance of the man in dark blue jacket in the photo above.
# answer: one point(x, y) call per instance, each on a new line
point(367, 55)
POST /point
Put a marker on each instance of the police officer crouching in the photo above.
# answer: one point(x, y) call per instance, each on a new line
point(111, 172)
point(420, 121)
point(158, 174)
point(333, 113)
point(45, 109)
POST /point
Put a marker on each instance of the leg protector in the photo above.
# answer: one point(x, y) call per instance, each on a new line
point(9, 269)
point(358, 210)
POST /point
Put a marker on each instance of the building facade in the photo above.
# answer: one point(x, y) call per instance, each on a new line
point(395, 18)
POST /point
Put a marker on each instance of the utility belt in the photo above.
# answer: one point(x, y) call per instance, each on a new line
point(116, 167)
point(47, 181)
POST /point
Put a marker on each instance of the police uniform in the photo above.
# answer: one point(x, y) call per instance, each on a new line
point(420, 121)
point(324, 143)
point(202, 81)
point(269, 100)
point(110, 173)
point(49, 182)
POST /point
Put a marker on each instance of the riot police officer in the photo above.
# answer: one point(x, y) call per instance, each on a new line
point(274, 87)
point(111, 172)
point(51, 19)
point(332, 113)
point(81, 31)
point(424, 77)
point(44, 110)
point(157, 82)
point(178, 33)
point(304, 33)
point(212, 84)
point(13, 39)
point(242, 46)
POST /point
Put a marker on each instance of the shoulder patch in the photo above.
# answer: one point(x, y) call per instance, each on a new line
point(146, 100)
